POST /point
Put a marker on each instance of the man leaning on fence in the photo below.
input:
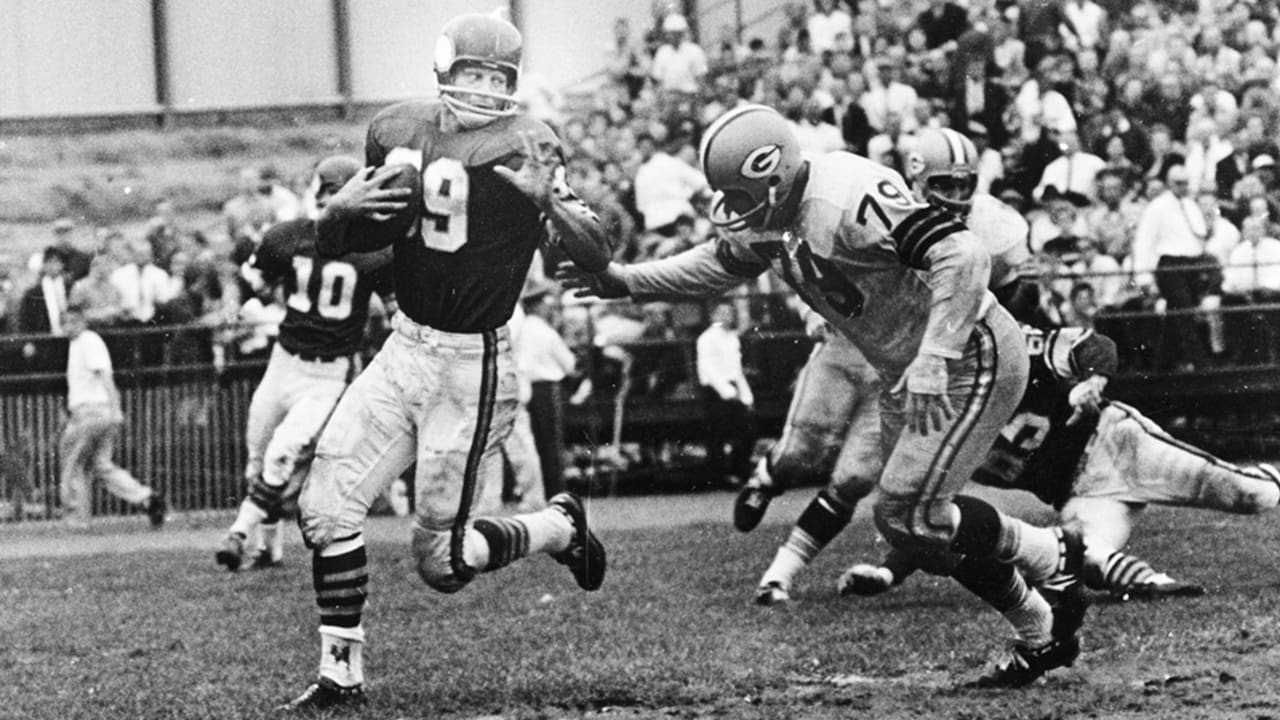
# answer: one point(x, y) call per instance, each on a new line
point(89, 439)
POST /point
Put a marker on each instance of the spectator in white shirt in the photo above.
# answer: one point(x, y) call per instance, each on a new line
point(680, 64)
point(1170, 250)
point(664, 188)
point(1075, 170)
point(545, 360)
point(887, 96)
point(1253, 266)
point(727, 396)
point(815, 136)
point(142, 283)
point(93, 428)
point(1252, 276)
point(825, 23)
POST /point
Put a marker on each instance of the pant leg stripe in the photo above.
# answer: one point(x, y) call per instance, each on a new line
point(484, 422)
point(1158, 434)
point(988, 360)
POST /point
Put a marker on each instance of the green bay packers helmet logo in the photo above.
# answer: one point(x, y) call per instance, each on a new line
point(761, 162)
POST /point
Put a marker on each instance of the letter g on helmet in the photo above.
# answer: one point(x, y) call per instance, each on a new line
point(750, 157)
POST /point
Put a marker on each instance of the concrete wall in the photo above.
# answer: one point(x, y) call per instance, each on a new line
point(70, 57)
point(65, 58)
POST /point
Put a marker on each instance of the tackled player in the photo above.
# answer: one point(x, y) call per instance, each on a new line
point(443, 389)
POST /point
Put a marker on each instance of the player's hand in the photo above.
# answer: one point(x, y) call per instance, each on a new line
point(365, 196)
point(1086, 398)
point(816, 327)
point(537, 174)
point(608, 284)
point(928, 407)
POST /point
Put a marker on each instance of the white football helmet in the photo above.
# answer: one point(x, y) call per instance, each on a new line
point(751, 158)
point(487, 41)
point(943, 169)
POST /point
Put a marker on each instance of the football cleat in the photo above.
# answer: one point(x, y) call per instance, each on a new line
point(585, 555)
point(749, 508)
point(157, 508)
point(231, 554)
point(772, 593)
point(1029, 664)
point(324, 694)
point(865, 580)
point(1163, 589)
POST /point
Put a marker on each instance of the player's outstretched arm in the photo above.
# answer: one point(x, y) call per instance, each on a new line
point(702, 270)
point(350, 220)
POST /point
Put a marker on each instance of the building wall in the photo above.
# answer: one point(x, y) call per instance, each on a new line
point(238, 53)
point(71, 57)
point(97, 57)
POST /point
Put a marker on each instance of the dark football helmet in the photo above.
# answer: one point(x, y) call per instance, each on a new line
point(478, 40)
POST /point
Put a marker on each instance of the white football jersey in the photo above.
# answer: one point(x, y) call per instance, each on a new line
point(1004, 233)
point(856, 255)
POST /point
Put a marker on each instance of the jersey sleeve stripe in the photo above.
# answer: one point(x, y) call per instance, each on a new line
point(736, 265)
point(920, 231)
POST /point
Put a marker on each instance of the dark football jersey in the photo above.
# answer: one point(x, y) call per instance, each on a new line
point(1037, 451)
point(461, 269)
point(326, 300)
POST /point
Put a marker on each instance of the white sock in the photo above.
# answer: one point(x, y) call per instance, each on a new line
point(342, 655)
point(1033, 551)
point(249, 517)
point(550, 530)
point(272, 539)
point(787, 563)
point(1032, 620)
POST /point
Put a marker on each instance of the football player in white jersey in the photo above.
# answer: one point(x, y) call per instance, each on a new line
point(907, 283)
point(1099, 463)
point(832, 428)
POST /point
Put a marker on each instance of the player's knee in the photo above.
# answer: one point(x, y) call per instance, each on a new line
point(904, 522)
point(892, 515)
point(797, 469)
point(432, 558)
point(851, 489)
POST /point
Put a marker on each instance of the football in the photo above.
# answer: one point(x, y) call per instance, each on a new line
point(406, 176)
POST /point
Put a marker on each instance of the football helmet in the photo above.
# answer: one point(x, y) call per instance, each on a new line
point(943, 169)
point(751, 159)
point(487, 41)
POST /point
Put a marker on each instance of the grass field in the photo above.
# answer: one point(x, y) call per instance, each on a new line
point(162, 633)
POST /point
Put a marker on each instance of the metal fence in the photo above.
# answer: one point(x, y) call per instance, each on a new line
point(183, 435)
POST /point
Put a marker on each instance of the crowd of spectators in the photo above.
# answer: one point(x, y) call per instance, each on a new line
point(1138, 138)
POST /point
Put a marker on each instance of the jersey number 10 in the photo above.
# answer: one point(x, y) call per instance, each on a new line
point(333, 294)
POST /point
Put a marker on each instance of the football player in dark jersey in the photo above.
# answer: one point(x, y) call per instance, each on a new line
point(326, 308)
point(443, 389)
point(1099, 463)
